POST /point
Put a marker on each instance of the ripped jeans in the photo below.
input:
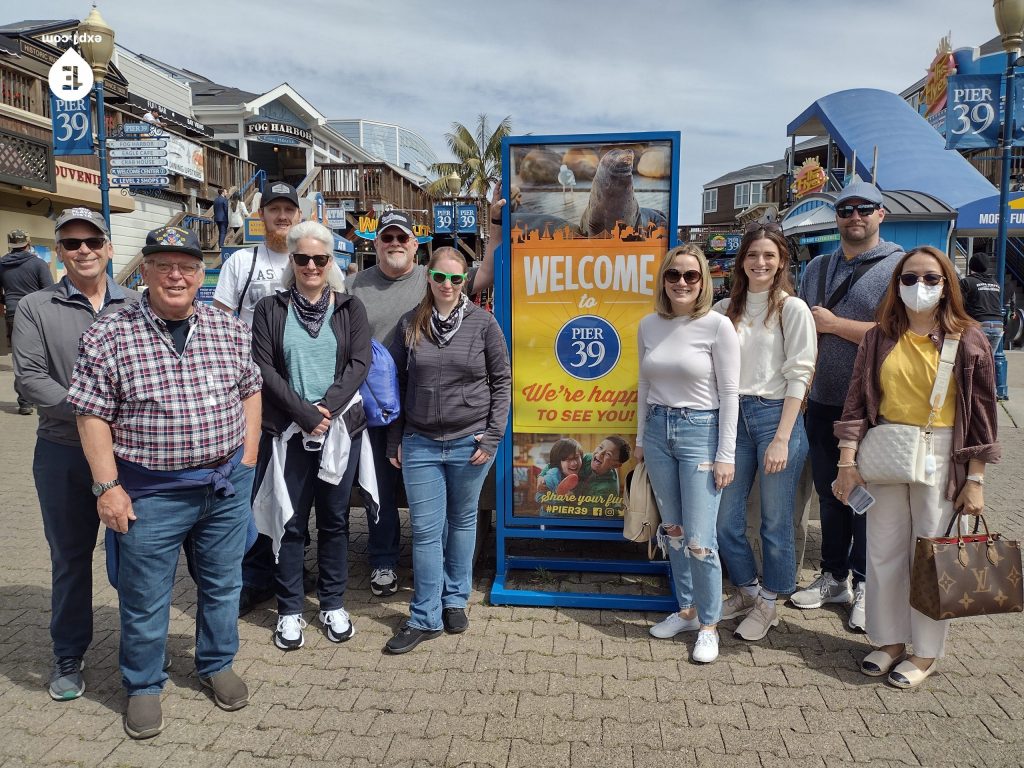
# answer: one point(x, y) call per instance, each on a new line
point(679, 449)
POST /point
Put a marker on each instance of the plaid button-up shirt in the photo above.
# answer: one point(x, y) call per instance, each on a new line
point(167, 411)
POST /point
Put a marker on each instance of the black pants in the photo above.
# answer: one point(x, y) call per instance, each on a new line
point(843, 534)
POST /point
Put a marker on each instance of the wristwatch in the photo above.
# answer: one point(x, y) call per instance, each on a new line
point(98, 489)
point(979, 479)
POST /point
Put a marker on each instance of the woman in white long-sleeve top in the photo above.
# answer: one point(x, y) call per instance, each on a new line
point(778, 346)
point(689, 370)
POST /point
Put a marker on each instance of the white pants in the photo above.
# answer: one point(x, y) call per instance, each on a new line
point(902, 513)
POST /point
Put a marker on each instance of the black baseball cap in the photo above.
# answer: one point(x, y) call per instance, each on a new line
point(172, 240)
point(395, 218)
point(277, 191)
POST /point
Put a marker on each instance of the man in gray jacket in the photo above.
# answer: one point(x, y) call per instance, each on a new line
point(843, 290)
point(46, 332)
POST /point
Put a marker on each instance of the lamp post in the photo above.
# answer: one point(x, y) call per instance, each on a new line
point(1010, 22)
point(454, 184)
point(96, 41)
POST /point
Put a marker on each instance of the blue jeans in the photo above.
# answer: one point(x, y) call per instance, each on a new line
point(759, 418)
point(993, 329)
point(443, 489)
point(679, 449)
point(300, 477)
point(215, 530)
point(70, 522)
point(384, 535)
point(843, 534)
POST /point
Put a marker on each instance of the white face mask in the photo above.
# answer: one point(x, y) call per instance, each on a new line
point(920, 297)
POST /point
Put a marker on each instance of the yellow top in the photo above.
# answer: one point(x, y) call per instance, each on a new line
point(907, 376)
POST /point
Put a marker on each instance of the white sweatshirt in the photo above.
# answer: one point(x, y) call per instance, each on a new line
point(691, 363)
point(775, 362)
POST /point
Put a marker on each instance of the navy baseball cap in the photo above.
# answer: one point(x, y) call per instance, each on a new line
point(172, 240)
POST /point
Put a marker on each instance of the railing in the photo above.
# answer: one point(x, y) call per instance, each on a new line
point(372, 183)
point(22, 91)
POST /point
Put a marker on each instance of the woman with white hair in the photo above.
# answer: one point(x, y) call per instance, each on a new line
point(312, 344)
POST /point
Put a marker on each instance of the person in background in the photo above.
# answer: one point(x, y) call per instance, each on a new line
point(220, 216)
point(456, 386)
point(843, 290)
point(778, 347)
point(49, 324)
point(21, 273)
point(892, 383)
point(237, 214)
point(168, 404)
point(981, 299)
point(312, 344)
point(389, 289)
point(686, 433)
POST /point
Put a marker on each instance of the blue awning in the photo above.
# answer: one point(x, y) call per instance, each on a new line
point(911, 154)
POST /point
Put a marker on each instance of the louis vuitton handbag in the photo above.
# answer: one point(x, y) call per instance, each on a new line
point(966, 574)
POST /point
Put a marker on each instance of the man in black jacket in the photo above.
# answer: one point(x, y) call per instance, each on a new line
point(981, 298)
point(21, 273)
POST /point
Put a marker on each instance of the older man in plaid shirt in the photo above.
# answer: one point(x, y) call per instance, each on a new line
point(168, 404)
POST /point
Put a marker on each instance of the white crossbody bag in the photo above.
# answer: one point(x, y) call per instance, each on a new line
point(892, 454)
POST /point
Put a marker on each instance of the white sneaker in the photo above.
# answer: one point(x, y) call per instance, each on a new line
point(337, 625)
point(824, 589)
point(706, 649)
point(738, 603)
point(383, 582)
point(673, 624)
point(288, 636)
point(761, 618)
point(857, 621)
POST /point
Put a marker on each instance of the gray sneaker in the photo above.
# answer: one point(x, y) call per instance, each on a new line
point(857, 621)
point(824, 589)
point(144, 718)
point(66, 682)
point(738, 603)
point(761, 618)
point(229, 690)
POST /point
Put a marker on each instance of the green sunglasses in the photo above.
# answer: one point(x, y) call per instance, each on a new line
point(439, 277)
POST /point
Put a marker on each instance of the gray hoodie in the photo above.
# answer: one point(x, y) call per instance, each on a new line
point(837, 355)
point(21, 273)
point(46, 332)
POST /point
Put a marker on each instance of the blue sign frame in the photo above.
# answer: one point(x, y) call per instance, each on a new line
point(512, 527)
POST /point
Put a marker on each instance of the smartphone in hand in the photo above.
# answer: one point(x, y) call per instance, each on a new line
point(860, 501)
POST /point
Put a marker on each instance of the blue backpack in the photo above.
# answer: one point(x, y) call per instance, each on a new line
point(381, 400)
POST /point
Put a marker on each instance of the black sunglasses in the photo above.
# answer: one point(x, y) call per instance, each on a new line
point(929, 278)
point(74, 243)
point(302, 259)
point(690, 276)
point(864, 209)
point(439, 277)
point(402, 238)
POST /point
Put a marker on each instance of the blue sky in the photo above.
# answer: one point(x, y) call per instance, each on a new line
point(728, 75)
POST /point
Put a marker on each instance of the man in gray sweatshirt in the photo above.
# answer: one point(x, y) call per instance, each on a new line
point(21, 272)
point(843, 289)
point(46, 332)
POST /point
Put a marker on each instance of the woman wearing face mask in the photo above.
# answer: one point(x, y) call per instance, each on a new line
point(892, 383)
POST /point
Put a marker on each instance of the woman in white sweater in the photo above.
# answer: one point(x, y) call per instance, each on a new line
point(689, 371)
point(778, 347)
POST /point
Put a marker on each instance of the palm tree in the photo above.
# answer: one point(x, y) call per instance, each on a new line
point(478, 159)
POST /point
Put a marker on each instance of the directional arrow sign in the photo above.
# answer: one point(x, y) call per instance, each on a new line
point(121, 162)
point(138, 128)
point(147, 181)
point(138, 153)
point(136, 143)
point(149, 171)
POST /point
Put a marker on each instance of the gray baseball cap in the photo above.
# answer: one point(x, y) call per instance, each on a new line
point(82, 214)
point(860, 190)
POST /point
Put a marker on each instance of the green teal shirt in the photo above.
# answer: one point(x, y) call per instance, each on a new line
point(311, 362)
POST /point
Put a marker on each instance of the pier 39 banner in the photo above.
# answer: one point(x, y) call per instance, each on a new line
point(591, 221)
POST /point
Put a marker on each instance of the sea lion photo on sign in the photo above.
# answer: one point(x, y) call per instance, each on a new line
point(611, 195)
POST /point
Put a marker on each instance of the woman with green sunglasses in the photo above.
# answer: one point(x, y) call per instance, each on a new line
point(456, 385)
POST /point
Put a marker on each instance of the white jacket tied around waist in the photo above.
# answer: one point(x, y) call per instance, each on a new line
point(272, 507)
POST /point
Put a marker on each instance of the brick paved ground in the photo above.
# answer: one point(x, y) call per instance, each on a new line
point(524, 687)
